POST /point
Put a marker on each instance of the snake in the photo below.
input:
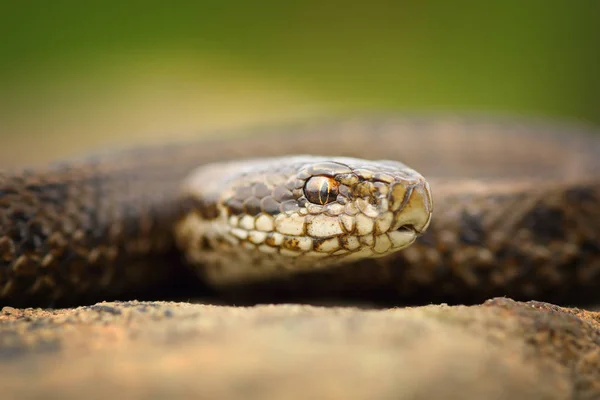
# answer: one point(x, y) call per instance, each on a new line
point(399, 209)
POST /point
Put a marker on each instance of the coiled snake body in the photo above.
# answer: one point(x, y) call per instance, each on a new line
point(516, 213)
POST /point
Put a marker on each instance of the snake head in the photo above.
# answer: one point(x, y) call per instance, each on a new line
point(260, 217)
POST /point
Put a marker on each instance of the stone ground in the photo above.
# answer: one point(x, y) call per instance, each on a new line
point(501, 349)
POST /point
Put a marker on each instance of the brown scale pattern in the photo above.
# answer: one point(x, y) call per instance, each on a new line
point(516, 212)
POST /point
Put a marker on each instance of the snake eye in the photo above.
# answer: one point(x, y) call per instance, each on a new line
point(321, 190)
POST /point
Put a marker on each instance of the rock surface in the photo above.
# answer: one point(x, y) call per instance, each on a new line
point(498, 350)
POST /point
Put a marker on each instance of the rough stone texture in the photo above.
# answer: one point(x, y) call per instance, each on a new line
point(499, 350)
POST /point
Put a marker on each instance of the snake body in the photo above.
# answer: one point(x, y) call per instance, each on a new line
point(516, 213)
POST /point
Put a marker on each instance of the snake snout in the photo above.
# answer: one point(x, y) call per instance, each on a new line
point(412, 205)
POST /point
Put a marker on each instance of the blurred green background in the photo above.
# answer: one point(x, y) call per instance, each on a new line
point(77, 75)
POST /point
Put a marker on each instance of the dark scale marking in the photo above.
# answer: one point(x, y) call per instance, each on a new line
point(19, 215)
point(590, 248)
point(7, 249)
point(35, 188)
point(130, 214)
point(270, 239)
point(471, 229)
point(235, 206)
point(36, 236)
point(581, 194)
point(546, 224)
point(252, 206)
point(7, 191)
point(295, 184)
point(290, 243)
point(317, 242)
point(364, 189)
point(344, 190)
point(260, 190)
point(242, 193)
point(281, 194)
point(208, 210)
point(297, 193)
point(95, 230)
point(27, 268)
point(205, 244)
point(270, 206)
point(302, 202)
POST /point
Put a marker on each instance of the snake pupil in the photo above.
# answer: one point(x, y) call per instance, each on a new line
point(321, 190)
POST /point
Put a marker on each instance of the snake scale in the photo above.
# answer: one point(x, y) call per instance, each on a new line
point(515, 213)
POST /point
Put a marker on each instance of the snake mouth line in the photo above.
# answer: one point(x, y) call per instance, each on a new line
point(409, 228)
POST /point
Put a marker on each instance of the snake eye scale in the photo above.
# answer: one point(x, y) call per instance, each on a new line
point(400, 209)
